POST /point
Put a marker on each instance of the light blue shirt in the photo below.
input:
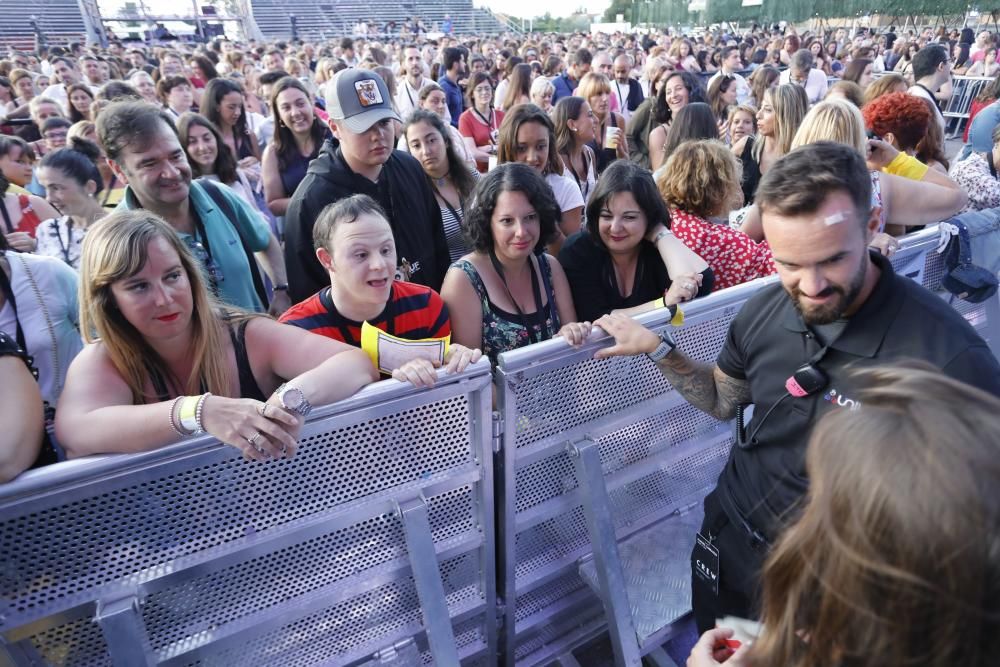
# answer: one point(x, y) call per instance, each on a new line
point(236, 286)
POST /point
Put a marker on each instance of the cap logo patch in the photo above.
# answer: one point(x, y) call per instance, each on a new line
point(368, 92)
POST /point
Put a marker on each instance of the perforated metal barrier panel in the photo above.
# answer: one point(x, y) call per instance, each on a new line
point(659, 456)
point(228, 562)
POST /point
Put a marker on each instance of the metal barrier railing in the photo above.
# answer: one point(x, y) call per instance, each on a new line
point(598, 455)
point(378, 537)
point(375, 542)
point(964, 89)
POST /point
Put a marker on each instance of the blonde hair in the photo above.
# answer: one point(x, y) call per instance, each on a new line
point(81, 128)
point(701, 178)
point(790, 104)
point(593, 83)
point(833, 120)
point(741, 108)
point(117, 247)
point(883, 85)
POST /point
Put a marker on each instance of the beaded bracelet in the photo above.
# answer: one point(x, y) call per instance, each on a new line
point(198, 409)
point(173, 420)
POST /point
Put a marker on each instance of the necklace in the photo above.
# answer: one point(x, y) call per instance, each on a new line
point(441, 181)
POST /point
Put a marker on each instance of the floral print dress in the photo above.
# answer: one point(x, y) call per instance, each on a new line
point(503, 331)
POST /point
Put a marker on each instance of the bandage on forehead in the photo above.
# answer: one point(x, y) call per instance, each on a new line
point(834, 218)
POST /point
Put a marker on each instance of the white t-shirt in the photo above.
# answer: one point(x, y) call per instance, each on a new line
point(45, 291)
point(567, 192)
point(408, 99)
point(816, 84)
point(920, 91)
point(743, 91)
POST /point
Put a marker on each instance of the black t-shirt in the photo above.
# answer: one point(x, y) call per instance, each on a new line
point(592, 277)
point(768, 342)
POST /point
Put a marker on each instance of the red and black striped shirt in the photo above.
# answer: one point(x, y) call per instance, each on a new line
point(412, 312)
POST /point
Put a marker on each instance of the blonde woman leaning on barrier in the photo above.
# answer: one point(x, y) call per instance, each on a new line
point(894, 560)
point(903, 200)
point(155, 336)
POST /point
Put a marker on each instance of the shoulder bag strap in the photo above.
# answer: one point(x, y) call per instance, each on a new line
point(227, 209)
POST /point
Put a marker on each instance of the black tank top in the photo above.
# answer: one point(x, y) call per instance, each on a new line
point(248, 384)
point(751, 172)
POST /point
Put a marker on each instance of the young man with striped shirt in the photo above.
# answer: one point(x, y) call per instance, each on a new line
point(354, 243)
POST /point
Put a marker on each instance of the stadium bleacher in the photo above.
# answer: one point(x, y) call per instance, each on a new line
point(333, 18)
point(59, 20)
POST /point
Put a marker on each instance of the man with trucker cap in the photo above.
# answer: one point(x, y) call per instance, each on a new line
point(361, 119)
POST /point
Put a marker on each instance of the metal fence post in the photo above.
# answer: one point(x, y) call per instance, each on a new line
point(125, 632)
point(427, 577)
point(600, 525)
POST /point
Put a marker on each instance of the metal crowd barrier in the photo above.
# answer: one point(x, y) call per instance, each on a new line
point(373, 545)
point(601, 474)
point(964, 89)
point(376, 543)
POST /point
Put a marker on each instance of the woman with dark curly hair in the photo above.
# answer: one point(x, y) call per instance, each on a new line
point(627, 259)
point(507, 293)
point(680, 89)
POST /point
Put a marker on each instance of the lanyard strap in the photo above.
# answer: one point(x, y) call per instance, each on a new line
point(8, 293)
point(447, 203)
point(64, 247)
point(488, 123)
point(536, 292)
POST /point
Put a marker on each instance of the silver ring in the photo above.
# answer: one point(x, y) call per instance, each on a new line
point(688, 285)
point(253, 440)
point(262, 410)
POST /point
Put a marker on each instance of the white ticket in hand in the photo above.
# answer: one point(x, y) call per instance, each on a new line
point(389, 352)
point(744, 630)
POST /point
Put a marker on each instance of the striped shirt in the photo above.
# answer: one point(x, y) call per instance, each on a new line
point(412, 312)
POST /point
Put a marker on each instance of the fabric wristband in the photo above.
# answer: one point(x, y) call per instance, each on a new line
point(188, 414)
point(907, 166)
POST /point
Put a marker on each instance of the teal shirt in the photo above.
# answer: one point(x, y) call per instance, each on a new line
point(236, 286)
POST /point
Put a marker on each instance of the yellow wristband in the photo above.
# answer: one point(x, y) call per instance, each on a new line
point(907, 166)
point(188, 414)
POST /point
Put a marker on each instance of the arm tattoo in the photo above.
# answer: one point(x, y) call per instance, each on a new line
point(705, 386)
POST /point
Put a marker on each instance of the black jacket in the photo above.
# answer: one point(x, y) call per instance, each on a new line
point(402, 191)
point(635, 96)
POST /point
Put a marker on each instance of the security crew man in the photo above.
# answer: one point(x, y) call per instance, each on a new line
point(790, 351)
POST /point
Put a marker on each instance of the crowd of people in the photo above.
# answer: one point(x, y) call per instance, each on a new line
point(198, 238)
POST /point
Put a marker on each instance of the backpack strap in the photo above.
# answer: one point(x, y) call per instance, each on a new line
point(226, 207)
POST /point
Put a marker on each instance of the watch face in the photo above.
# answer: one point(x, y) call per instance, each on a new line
point(292, 398)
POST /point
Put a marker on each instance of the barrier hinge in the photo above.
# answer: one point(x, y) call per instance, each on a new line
point(497, 432)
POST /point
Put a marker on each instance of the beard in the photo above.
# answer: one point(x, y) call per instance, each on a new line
point(835, 309)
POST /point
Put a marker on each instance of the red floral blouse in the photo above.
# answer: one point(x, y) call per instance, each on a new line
point(732, 255)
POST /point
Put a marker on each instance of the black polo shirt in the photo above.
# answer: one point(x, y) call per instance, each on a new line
point(768, 342)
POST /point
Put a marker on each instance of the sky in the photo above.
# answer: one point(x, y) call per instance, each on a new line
point(531, 8)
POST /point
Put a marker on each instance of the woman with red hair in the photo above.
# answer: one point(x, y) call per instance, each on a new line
point(900, 119)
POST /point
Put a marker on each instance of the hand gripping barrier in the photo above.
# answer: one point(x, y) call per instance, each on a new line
point(374, 544)
point(602, 464)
